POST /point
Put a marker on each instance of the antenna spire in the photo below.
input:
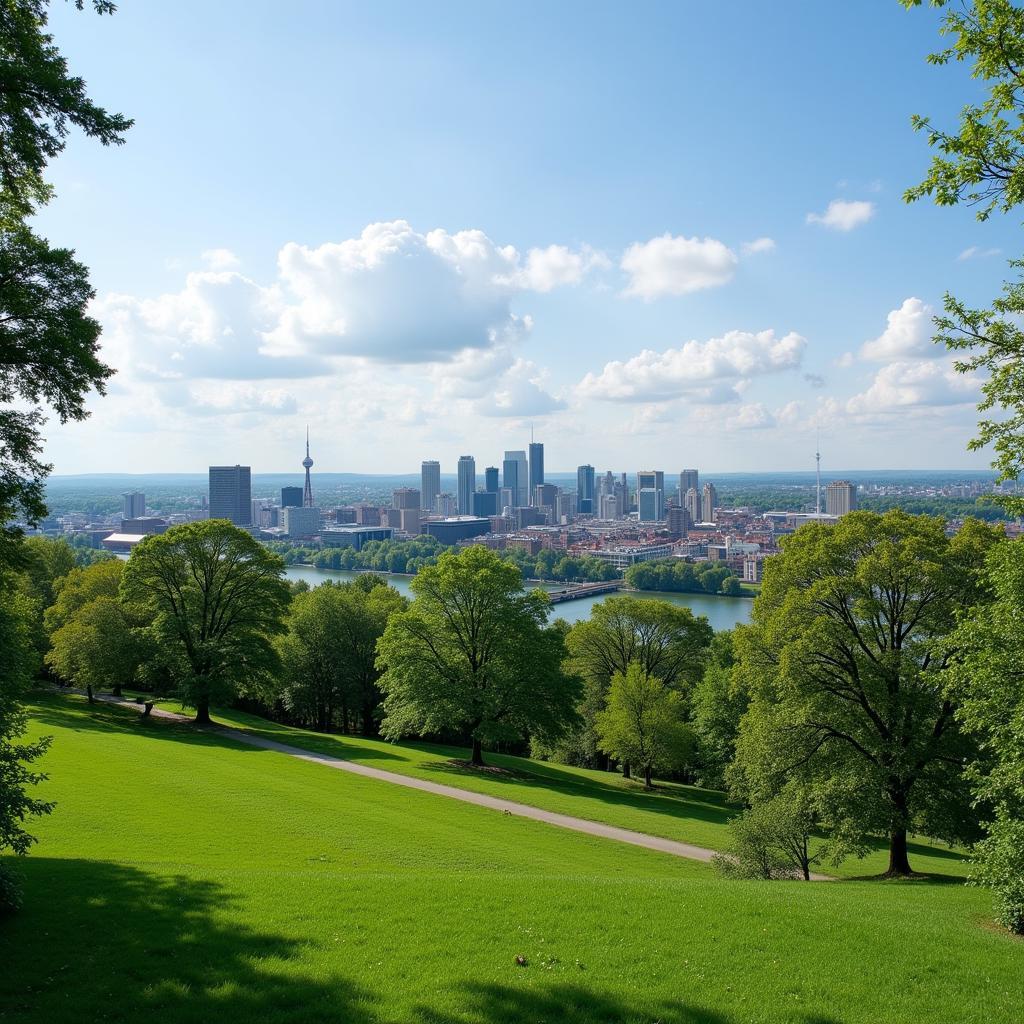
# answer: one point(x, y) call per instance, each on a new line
point(817, 460)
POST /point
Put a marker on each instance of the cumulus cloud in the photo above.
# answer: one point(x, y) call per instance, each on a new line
point(696, 365)
point(521, 391)
point(674, 265)
point(219, 259)
point(757, 245)
point(843, 214)
point(556, 266)
point(904, 386)
point(752, 416)
point(908, 332)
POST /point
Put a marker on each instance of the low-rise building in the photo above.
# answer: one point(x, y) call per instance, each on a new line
point(353, 536)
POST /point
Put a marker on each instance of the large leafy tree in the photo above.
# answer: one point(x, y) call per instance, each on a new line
point(216, 598)
point(981, 163)
point(474, 654)
point(642, 723)
point(844, 659)
point(718, 703)
point(989, 686)
point(18, 662)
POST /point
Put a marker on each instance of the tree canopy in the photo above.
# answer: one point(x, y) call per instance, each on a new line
point(844, 660)
point(474, 654)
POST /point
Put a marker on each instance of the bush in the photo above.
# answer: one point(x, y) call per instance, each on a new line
point(10, 891)
point(1001, 866)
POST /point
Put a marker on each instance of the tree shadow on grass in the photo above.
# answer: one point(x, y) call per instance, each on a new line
point(570, 1004)
point(101, 941)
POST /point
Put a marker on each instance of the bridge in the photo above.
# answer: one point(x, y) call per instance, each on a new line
point(574, 593)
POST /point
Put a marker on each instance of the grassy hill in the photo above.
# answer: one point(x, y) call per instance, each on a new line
point(184, 877)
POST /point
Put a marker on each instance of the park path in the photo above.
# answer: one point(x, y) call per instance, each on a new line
point(590, 828)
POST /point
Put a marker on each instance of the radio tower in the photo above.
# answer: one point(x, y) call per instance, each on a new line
point(307, 494)
point(817, 460)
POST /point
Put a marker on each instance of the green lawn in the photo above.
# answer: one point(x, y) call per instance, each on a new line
point(187, 878)
point(686, 813)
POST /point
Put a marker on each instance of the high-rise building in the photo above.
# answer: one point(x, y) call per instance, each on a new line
point(485, 503)
point(133, 505)
point(585, 490)
point(647, 504)
point(291, 497)
point(688, 480)
point(654, 480)
point(430, 483)
point(678, 520)
point(301, 522)
point(307, 463)
point(445, 505)
point(516, 475)
point(467, 484)
point(545, 496)
point(709, 502)
point(231, 494)
point(492, 483)
point(840, 497)
point(536, 468)
point(405, 497)
point(691, 502)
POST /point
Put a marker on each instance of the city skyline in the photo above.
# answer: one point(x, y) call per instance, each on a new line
point(620, 288)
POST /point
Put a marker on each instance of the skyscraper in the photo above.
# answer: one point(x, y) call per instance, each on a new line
point(231, 494)
point(405, 497)
point(840, 497)
point(467, 484)
point(492, 484)
point(291, 497)
point(709, 502)
point(652, 480)
point(307, 491)
point(133, 505)
point(647, 504)
point(687, 479)
point(691, 502)
point(536, 468)
point(585, 490)
point(430, 483)
point(516, 476)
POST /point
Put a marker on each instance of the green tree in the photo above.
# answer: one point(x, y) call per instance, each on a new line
point(642, 723)
point(79, 586)
point(473, 653)
point(845, 658)
point(216, 598)
point(718, 704)
point(982, 164)
point(18, 662)
point(988, 684)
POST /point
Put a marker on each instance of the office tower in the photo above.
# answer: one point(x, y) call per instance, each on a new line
point(444, 505)
point(654, 480)
point(307, 462)
point(709, 502)
point(430, 483)
point(467, 484)
point(536, 468)
point(301, 522)
point(544, 496)
point(840, 497)
point(410, 521)
point(678, 520)
point(133, 505)
point(647, 504)
point(610, 508)
point(231, 494)
point(691, 502)
point(492, 485)
point(506, 499)
point(516, 475)
point(584, 490)
point(565, 507)
point(256, 512)
point(485, 503)
point(405, 497)
point(291, 497)
point(688, 480)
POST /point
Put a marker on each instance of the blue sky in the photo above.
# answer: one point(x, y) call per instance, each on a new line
point(665, 234)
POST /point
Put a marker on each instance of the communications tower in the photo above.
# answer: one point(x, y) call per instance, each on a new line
point(307, 494)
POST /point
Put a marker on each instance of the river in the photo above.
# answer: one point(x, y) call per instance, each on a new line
point(721, 612)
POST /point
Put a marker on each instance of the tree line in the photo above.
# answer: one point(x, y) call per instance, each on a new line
point(679, 576)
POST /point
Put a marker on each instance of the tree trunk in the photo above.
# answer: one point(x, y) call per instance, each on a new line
point(202, 711)
point(116, 690)
point(477, 759)
point(899, 864)
point(88, 690)
point(626, 771)
point(369, 723)
point(805, 860)
point(647, 777)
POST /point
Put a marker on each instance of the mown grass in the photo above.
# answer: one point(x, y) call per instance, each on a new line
point(685, 813)
point(184, 877)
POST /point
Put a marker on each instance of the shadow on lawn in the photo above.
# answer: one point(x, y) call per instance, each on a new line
point(507, 1004)
point(101, 941)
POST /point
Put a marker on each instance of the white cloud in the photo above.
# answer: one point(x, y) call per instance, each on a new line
point(845, 361)
point(758, 245)
point(908, 332)
point(220, 259)
point(676, 266)
point(557, 266)
point(660, 376)
point(520, 391)
point(974, 252)
point(843, 214)
point(753, 416)
point(904, 386)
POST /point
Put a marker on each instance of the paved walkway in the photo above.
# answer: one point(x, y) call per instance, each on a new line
point(591, 828)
